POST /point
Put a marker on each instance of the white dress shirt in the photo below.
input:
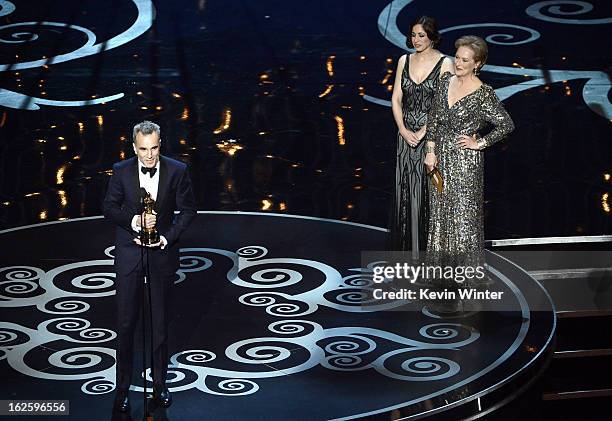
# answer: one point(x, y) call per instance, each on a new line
point(147, 182)
point(150, 184)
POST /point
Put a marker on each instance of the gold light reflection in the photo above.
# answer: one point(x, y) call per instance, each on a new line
point(387, 77)
point(282, 206)
point(81, 127)
point(362, 58)
point(361, 91)
point(185, 114)
point(330, 65)
point(122, 155)
point(327, 90)
point(266, 204)
point(229, 147)
point(63, 148)
point(227, 119)
point(340, 123)
point(607, 177)
point(263, 77)
point(33, 194)
point(63, 198)
point(182, 141)
point(604, 202)
point(7, 203)
point(100, 120)
point(42, 215)
point(3, 120)
point(174, 94)
point(59, 175)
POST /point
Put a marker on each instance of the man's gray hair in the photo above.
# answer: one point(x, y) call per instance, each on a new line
point(145, 127)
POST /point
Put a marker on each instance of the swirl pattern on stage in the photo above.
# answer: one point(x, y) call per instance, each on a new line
point(294, 344)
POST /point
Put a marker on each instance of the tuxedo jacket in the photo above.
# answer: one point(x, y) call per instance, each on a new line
point(123, 200)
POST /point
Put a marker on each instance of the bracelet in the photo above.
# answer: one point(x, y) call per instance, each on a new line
point(430, 149)
point(481, 144)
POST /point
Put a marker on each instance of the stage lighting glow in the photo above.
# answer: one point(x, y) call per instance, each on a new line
point(185, 115)
point(227, 119)
point(229, 147)
point(59, 175)
point(330, 65)
point(63, 198)
point(327, 90)
point(340, 124)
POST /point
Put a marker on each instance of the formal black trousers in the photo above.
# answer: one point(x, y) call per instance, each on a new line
point(129, 299)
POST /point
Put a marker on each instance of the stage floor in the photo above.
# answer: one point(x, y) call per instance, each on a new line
point(267, 324)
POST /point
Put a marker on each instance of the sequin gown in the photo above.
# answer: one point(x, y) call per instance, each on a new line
point(409, 212)
point(456, 230)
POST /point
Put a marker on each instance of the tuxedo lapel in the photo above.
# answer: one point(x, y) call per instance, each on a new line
point(163, 184)
point(135, 181)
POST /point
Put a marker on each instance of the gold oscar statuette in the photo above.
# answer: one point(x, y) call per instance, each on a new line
point(149, 236)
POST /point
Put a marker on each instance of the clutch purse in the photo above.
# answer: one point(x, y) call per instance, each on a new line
point(436, 179)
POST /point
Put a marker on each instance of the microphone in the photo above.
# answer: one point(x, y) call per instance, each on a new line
point(143, 194)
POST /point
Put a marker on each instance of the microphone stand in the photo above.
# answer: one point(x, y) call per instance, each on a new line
point(144, 250)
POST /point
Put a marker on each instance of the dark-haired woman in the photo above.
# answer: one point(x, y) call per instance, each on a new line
point(416, 81)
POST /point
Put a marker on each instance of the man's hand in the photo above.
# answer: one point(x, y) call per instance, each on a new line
point(149, 220)
point(160, 243)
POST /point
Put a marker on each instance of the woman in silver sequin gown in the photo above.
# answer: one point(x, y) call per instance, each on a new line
point(462, 108)
point(416, 81)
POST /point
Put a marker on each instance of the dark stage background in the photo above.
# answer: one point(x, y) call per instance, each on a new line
point(279, 105)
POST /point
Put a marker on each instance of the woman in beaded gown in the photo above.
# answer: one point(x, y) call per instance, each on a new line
point(462, 108)
point(416, 81)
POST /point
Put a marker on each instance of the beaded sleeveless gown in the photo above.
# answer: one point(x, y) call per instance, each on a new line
point(410, 204)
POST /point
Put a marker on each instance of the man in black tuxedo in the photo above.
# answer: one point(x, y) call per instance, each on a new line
point(168, 182)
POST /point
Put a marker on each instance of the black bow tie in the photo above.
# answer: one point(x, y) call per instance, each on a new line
point(151, 171)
